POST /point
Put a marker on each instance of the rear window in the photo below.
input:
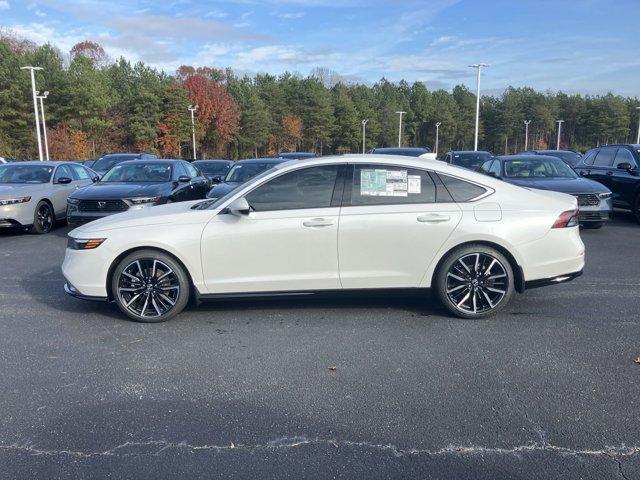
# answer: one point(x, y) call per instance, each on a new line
point(461, 190)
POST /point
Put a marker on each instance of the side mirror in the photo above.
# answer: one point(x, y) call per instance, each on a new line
point(624, 166)
point(64, 180)
point(216, 179)
point(95, 179)
point(240, 207)
point(184, 179)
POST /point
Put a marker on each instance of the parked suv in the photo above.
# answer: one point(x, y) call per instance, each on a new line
point(616, 167)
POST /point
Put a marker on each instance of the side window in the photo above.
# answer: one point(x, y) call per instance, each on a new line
point(391, 185)
point(604, 158)
point(590, 157)
point(485, 167)
point(495, 168)
point(305, 188)
point(461, 190)
point(191, 170)
point(624, 156)
point(81, 172)
point(179, 171)
point(61, 172)
point(448, 158)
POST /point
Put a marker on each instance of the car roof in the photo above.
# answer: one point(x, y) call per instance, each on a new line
point(205, 160)
point(469, 151)
point(397, 149)
point(524, 156)
point(48, 163)
point(262, 160)
point(143, 161)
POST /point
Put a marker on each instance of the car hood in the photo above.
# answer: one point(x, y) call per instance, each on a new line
point(13, 190)
point(173, 214)
point(563, 185)
point(222, 189)
point(115, 191)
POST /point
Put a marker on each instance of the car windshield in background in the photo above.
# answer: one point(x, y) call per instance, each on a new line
point(138, 172)
point(15, 173)
point(572, 158)
point(246, 171)
point(105, 163)
point(538, 168)
point(472, 161)
point(213, 168)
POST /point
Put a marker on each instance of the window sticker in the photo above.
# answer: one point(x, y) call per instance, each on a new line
point(383, 183)
point(415, 184)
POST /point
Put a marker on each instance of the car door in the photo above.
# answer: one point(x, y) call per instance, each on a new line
point(393, 221)
point(181, 191)
point(287, 243)
point(623, 181)
point(199, 183)
point(61, 191)
point(601, 168)
point(82, 176)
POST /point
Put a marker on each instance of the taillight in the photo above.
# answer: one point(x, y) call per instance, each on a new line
point(567, 219)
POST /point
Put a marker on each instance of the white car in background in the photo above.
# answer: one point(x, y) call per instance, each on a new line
point(33, 195)
point(333, 223)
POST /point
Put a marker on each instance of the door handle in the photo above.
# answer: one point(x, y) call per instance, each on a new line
point(433, 218)
point(609, 172)
point(584, 173)
point(318, 222)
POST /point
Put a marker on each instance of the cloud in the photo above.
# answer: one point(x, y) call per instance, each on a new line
point(4, 5)
point(290, 16)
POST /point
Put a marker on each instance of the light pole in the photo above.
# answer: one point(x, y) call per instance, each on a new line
point(400, 129)
point(437, 133)
point(44, 123)
point(192, 109)
point(35, 105)
point(364, 134)
point(559, 122)
point(638, 137)
point(526, 134)
point(479, 67)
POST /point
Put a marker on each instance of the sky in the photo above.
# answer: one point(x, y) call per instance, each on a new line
point(585, 46)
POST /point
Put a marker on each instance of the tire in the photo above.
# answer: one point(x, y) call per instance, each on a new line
point(469, 292)
point(592, 225)
point(43, 218)
point(161, 291)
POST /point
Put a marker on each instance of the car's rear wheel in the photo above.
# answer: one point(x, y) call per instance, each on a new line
point(150, 286)
point(474, 281)
point(42, 218)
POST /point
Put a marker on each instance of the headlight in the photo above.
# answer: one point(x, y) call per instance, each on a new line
point(604, 196)
point(142, 200)
point(13, 201)
point(73, 201)
point(84, 243)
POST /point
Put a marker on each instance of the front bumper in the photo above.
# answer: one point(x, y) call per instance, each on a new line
point(77, 217)
point(596, 213)
point(17, 215)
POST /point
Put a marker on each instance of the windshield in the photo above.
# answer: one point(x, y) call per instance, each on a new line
point(571, 158)
point(215, 203)
point(472, 160)
point(242, 172)
point(138, 173)
point(16, 173)
point(538, 168)
point(105, 163)
point(213, 168)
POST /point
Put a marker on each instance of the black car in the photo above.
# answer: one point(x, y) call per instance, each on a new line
point(296, 155)
point(569, 157)
point(470, 159)
point(616, 167)
point(137, 184)
point(242, 171)
point(404, 151)
point(214, 170)
point(551, 173)
point(105, 162)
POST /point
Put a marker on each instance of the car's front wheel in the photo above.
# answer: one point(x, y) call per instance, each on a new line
point(43, 218)
point(150, 286)
point(474, 281)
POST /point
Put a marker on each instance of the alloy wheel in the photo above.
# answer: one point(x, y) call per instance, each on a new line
point(148, 288)
point(476, 283)
point(44, 217)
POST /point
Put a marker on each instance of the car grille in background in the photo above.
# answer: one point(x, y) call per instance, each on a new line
point(587, 199)
point(102, 206)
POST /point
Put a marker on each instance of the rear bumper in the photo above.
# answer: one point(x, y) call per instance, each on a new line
point(543, 282)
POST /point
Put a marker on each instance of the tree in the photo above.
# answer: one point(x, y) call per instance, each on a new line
point(91, 50)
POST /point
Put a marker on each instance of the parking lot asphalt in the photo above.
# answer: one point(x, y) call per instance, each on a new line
point(546, 389)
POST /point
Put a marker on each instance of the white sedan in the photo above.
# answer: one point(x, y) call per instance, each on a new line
point(333, 223)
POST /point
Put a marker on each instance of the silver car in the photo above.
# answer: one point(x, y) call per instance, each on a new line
point(33, 195)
